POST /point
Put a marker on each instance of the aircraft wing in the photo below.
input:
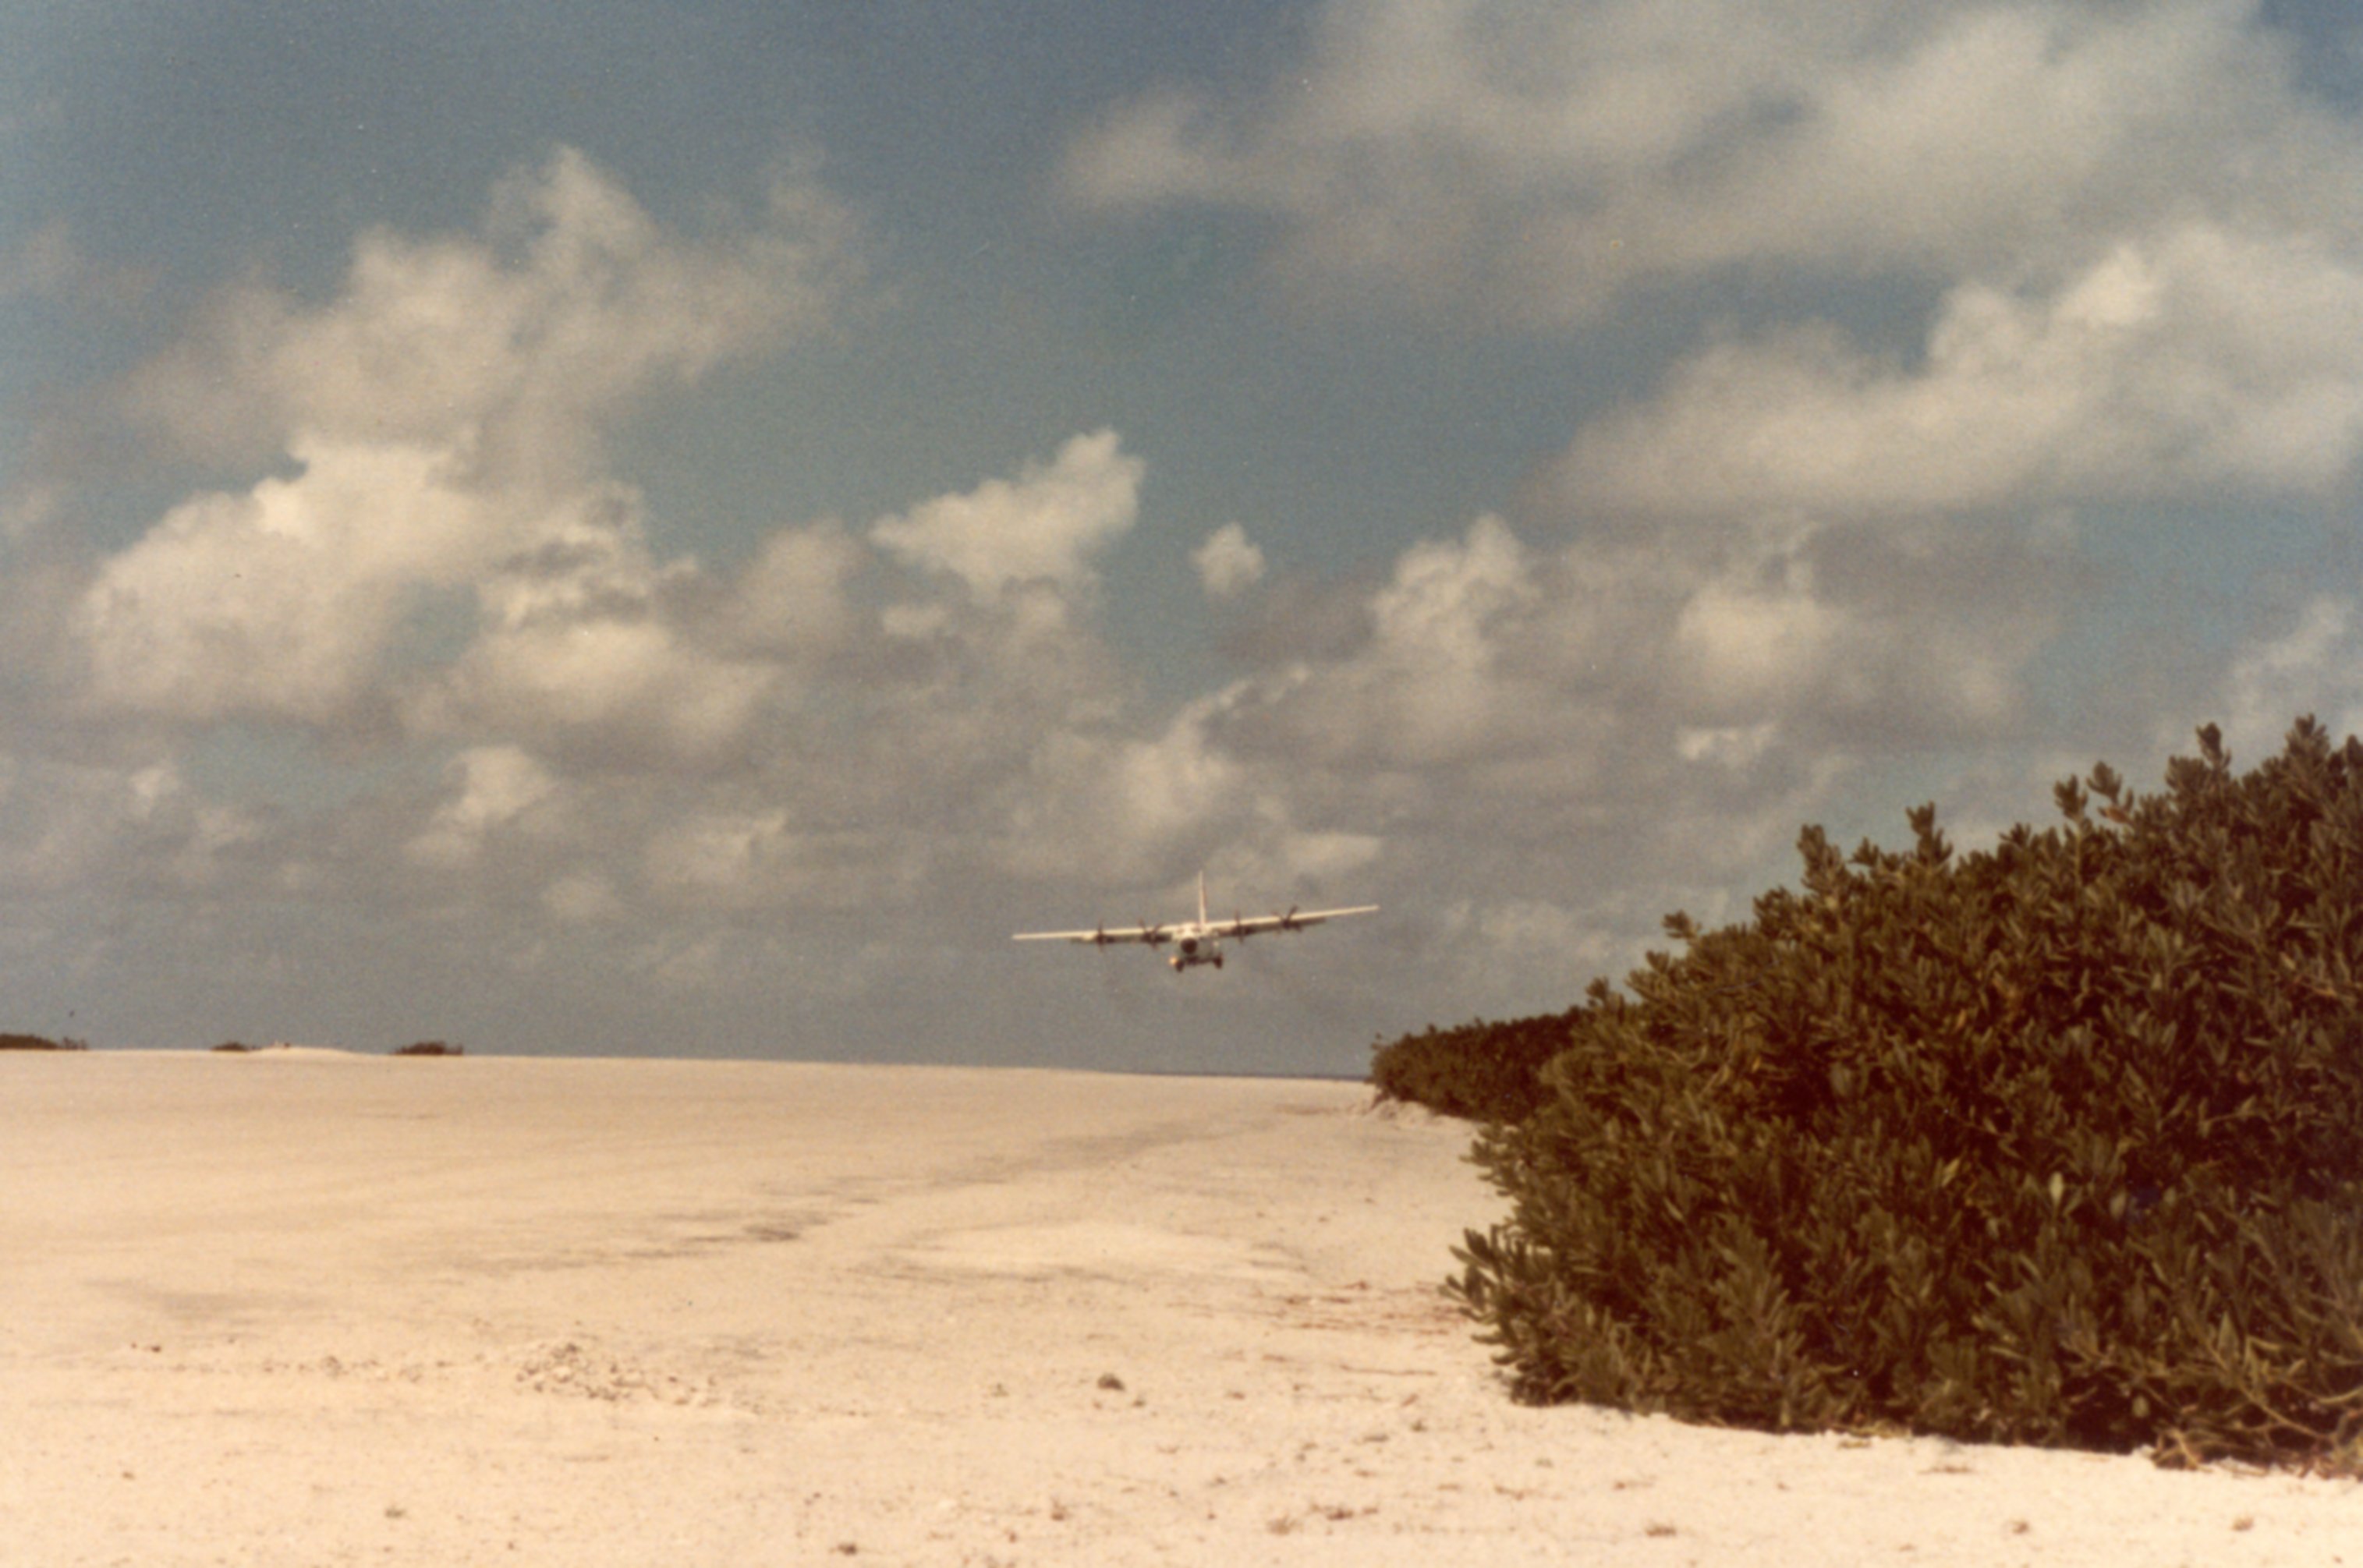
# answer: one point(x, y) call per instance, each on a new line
point(1101, 936)
point(1252, 924)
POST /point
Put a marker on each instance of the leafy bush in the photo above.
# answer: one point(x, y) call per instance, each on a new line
point(431, 1048)
point(1482, 1071)
point(2058, 1143)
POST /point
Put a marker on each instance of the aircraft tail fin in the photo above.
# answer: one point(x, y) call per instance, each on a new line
point(1202, 898)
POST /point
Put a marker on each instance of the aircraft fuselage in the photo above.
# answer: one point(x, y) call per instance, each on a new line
point(1192, 948)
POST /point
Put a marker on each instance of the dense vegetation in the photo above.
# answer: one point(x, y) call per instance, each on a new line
point(2060, 1142)
point(1486, 1072)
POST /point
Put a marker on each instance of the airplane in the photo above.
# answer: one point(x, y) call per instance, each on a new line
point(1197, 941)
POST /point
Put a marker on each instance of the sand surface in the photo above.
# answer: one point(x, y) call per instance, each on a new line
point(310, 1308)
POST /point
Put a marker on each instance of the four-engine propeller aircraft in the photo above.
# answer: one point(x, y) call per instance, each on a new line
point(1197, 941)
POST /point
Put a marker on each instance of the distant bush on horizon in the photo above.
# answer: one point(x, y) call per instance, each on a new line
point(40, 1043)
point(2060, 1144)
point(431, 1048)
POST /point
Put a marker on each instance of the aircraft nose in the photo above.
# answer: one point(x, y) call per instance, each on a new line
point(1189, 944)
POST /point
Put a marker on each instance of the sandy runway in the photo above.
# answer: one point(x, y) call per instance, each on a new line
point(310, 1308)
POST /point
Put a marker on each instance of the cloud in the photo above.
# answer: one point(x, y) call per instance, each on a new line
point(585, 642)
point(51, 264)
point(1815, 548)
point(1432, 668)
point(285, 601)
point(2202, 361)
point(1041, 529)
point(1545, 161)
point(1746, 645)
point(1228, 563)
point(493, 788)
point(312, 599)
point(1818, 555)
point(508, 349)
point(1101, 806)
point(791, 600)
point(584, 898)
point(725, 856)
point(127, 829)
point(1521, 949)
point(441, 418)
point(1662, 707)
point(2313, 667)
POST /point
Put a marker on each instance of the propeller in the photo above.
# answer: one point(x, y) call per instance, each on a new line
point(1152, 934)
point(1288, 921)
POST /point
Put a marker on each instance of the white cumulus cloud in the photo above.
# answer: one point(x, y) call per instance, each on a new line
point(1228, 563)
point(282, 601)
point(2315, 665)
point(507, 348)
point(1544, 159)
point(492, 787)
point(443, 416)
point(1042, 528)
point(2200, 361)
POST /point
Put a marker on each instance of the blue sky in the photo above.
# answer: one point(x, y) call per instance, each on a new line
point(642, 529)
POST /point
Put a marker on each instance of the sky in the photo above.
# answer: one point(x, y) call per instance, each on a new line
point(649, 529)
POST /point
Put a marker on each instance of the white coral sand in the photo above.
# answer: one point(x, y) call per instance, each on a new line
point(300, 1308)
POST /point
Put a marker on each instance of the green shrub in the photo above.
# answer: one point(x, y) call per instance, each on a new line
point(2058, 1143)
point(1485, 1071)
